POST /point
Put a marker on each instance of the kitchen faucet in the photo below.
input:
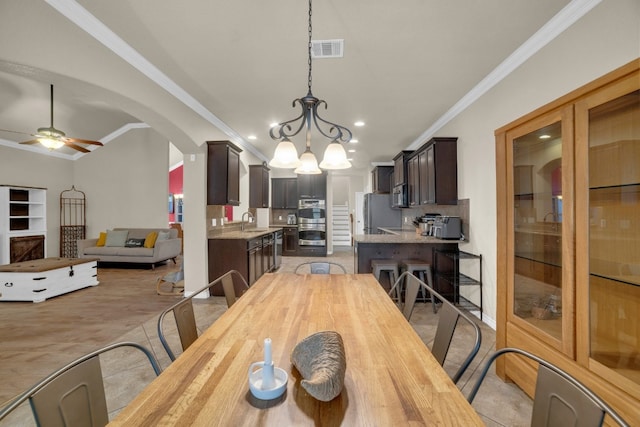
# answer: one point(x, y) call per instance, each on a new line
point(249, 219)
point(554, 224)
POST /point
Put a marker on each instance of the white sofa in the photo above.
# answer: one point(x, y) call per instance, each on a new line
point(164, 249)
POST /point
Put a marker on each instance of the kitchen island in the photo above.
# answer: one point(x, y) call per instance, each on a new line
point(407, 244)
point(252, 252)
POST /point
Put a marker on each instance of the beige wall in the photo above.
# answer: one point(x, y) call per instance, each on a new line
point(126, 182)
point(606, 38)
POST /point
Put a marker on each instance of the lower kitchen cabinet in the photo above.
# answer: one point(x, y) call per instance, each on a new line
point(251, 257)
point(290, 241)
point(366, 252)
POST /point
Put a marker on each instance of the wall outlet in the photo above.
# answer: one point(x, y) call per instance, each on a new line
point(279, 217)
point(213, 222)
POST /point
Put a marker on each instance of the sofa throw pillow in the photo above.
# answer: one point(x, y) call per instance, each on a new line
point(150, 240)
point(102, 239)
point(116, 237)
point(134, 243)
point(163, 235)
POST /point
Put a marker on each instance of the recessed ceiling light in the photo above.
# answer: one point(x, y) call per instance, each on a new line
point(351, 151)
point(274, 124)
point(359, 123)
point(252, 137)
point(354, 141)
point(544, 136)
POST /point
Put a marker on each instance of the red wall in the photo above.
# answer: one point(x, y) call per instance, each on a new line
point(175, 187)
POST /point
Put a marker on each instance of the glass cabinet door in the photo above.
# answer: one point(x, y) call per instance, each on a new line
point(608, 258)
point(541, 154)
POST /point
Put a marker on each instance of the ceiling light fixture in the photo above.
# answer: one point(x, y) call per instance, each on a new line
point(50, 138)
point(286, 155)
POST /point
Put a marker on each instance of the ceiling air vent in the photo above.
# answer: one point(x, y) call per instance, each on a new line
point(327, 48)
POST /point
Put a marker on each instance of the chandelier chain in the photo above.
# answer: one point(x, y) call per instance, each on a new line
point(286, 155)
point(309, 47)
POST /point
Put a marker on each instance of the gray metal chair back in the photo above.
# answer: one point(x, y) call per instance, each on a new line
point(74, 394)
point(448, 318)
point(185, 317)
point(320, 267)
point(559, 398)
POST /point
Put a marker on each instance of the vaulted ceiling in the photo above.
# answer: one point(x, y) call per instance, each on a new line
point(199, 70)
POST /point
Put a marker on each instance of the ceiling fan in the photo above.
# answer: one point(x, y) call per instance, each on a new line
point(53, 138)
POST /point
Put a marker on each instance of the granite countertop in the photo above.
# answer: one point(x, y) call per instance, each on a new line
point(247, 234)
point(409, 236)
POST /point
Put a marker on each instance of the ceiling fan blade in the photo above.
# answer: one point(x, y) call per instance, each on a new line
point(33, 141)
point(84, 141)
point(76, 147)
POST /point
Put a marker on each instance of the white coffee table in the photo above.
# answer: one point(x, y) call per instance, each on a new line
point(39, 279)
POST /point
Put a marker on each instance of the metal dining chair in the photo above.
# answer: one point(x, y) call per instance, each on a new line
point(559, 399)
point(73, 395)
point(448, 316)
point(320, 267)
point(185, 317)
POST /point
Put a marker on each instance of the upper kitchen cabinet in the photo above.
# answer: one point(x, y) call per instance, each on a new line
point(259, 186)
point(400, 168)
point(284, 193)
point(223, 173)
point(312, 186)
point(432, 173)
point(381, 179)
point(568, 193)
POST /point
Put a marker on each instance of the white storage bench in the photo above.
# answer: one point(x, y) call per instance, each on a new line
point(39, 279)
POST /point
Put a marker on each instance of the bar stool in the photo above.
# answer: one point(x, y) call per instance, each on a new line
point(422, 268)
point(389, 266)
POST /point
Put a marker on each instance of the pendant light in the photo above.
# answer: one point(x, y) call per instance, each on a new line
point(286, 155)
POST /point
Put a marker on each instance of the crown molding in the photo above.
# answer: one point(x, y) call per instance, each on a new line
point(95, 28)
point(549, 31)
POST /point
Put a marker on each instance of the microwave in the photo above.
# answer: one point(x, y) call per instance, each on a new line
point(399, 196)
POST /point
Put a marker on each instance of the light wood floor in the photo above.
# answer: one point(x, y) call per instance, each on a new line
point(36, 339)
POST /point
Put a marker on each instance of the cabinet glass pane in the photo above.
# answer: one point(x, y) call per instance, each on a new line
point(614, 234)
point(537, 197)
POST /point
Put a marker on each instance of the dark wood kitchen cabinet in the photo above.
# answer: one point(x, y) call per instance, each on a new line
point(290, 241)
point(432, 173)
point(400, 168)
point(250, 257)
point(413, 181)
point(312, 186)
point(284, 193)
point(381, 179)
point(223, 173)
point(258, 186)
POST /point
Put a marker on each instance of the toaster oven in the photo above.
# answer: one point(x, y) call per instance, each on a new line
point(447, 228)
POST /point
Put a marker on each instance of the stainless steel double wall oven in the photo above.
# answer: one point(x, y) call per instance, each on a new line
point(312, 223)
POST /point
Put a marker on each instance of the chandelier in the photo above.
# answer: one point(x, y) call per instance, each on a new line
point(286, 155)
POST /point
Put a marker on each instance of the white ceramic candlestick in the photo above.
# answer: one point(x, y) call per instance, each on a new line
point(267, 369)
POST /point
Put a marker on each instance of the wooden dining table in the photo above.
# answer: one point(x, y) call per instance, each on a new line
point(391, 378)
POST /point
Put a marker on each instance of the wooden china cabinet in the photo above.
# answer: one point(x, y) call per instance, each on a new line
point(568, 193)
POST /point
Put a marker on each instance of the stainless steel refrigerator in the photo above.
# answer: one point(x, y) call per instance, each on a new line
point(379, 213)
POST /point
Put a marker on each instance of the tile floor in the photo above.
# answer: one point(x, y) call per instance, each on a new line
point(125, 374)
